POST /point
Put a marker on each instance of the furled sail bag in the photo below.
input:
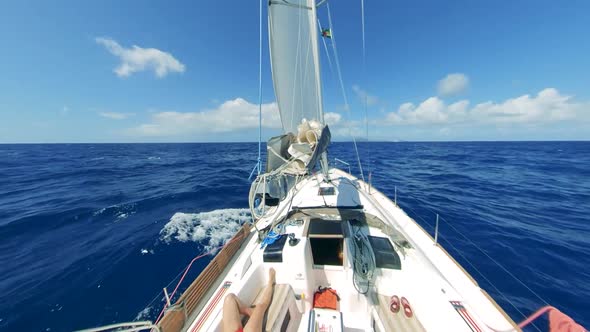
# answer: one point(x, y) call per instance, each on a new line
point(298, 154)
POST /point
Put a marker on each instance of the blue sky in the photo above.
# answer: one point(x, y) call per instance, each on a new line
point(466, 70)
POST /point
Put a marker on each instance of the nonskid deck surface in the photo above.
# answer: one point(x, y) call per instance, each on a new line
point(430, 291)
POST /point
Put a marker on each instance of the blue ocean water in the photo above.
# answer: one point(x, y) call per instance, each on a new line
point(91, 233)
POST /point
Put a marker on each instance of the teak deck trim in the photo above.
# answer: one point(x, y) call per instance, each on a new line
point(175, 317)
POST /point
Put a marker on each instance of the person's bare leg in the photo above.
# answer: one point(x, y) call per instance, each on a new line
point(257, 317)
point(232, 309)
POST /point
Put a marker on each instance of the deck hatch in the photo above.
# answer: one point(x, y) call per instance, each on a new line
point(273, 253)
point(385, 255)
point(325, 227)
point(327, 191)
point(326, 251)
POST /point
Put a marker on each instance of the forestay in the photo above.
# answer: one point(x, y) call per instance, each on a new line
point(293, 37)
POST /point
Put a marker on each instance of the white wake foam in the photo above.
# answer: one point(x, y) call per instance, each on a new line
point(119, 211)
point(210, 229)
point(144, 314)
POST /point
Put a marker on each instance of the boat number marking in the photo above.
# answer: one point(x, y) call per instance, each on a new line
point(211, 305)
point(462, 311)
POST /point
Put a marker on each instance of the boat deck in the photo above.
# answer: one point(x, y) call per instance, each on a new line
point(408, 264)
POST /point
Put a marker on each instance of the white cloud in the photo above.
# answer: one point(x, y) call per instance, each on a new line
point(346, 129)
point(364, 95)
point(432, 110)
point(547, 106)
point(136, 59)
point(115, 115)
point(332, 118)
point(236, 114)
point(236, 119)
point(452, 84)
point(352, 129)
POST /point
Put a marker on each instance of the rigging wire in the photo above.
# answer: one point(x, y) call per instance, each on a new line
point(363, 30)
point(496, 262)
point(485, 253)
point(260, 87)
point(187, 269)
point(364, 79)
point(482, 251)
point(346, 105)
point(160, 294)
point(468, 261)
point(489, 281)
point(258, 166)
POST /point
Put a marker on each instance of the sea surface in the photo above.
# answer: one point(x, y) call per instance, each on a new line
point(91, 233)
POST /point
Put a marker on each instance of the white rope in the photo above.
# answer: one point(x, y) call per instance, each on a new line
point(262, 180)
point(358, 158)
point(363, 259)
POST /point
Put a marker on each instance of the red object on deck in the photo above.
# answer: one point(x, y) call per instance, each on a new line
point(558, 321)
point(394, 304)
point(326, 297)
point(407, 309)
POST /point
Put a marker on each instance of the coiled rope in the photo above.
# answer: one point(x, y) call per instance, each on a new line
point(363, 260)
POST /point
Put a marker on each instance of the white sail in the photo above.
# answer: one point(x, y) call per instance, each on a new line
point(293, 37)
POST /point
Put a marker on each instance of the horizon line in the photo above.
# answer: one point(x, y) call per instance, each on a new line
point(351, 141)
